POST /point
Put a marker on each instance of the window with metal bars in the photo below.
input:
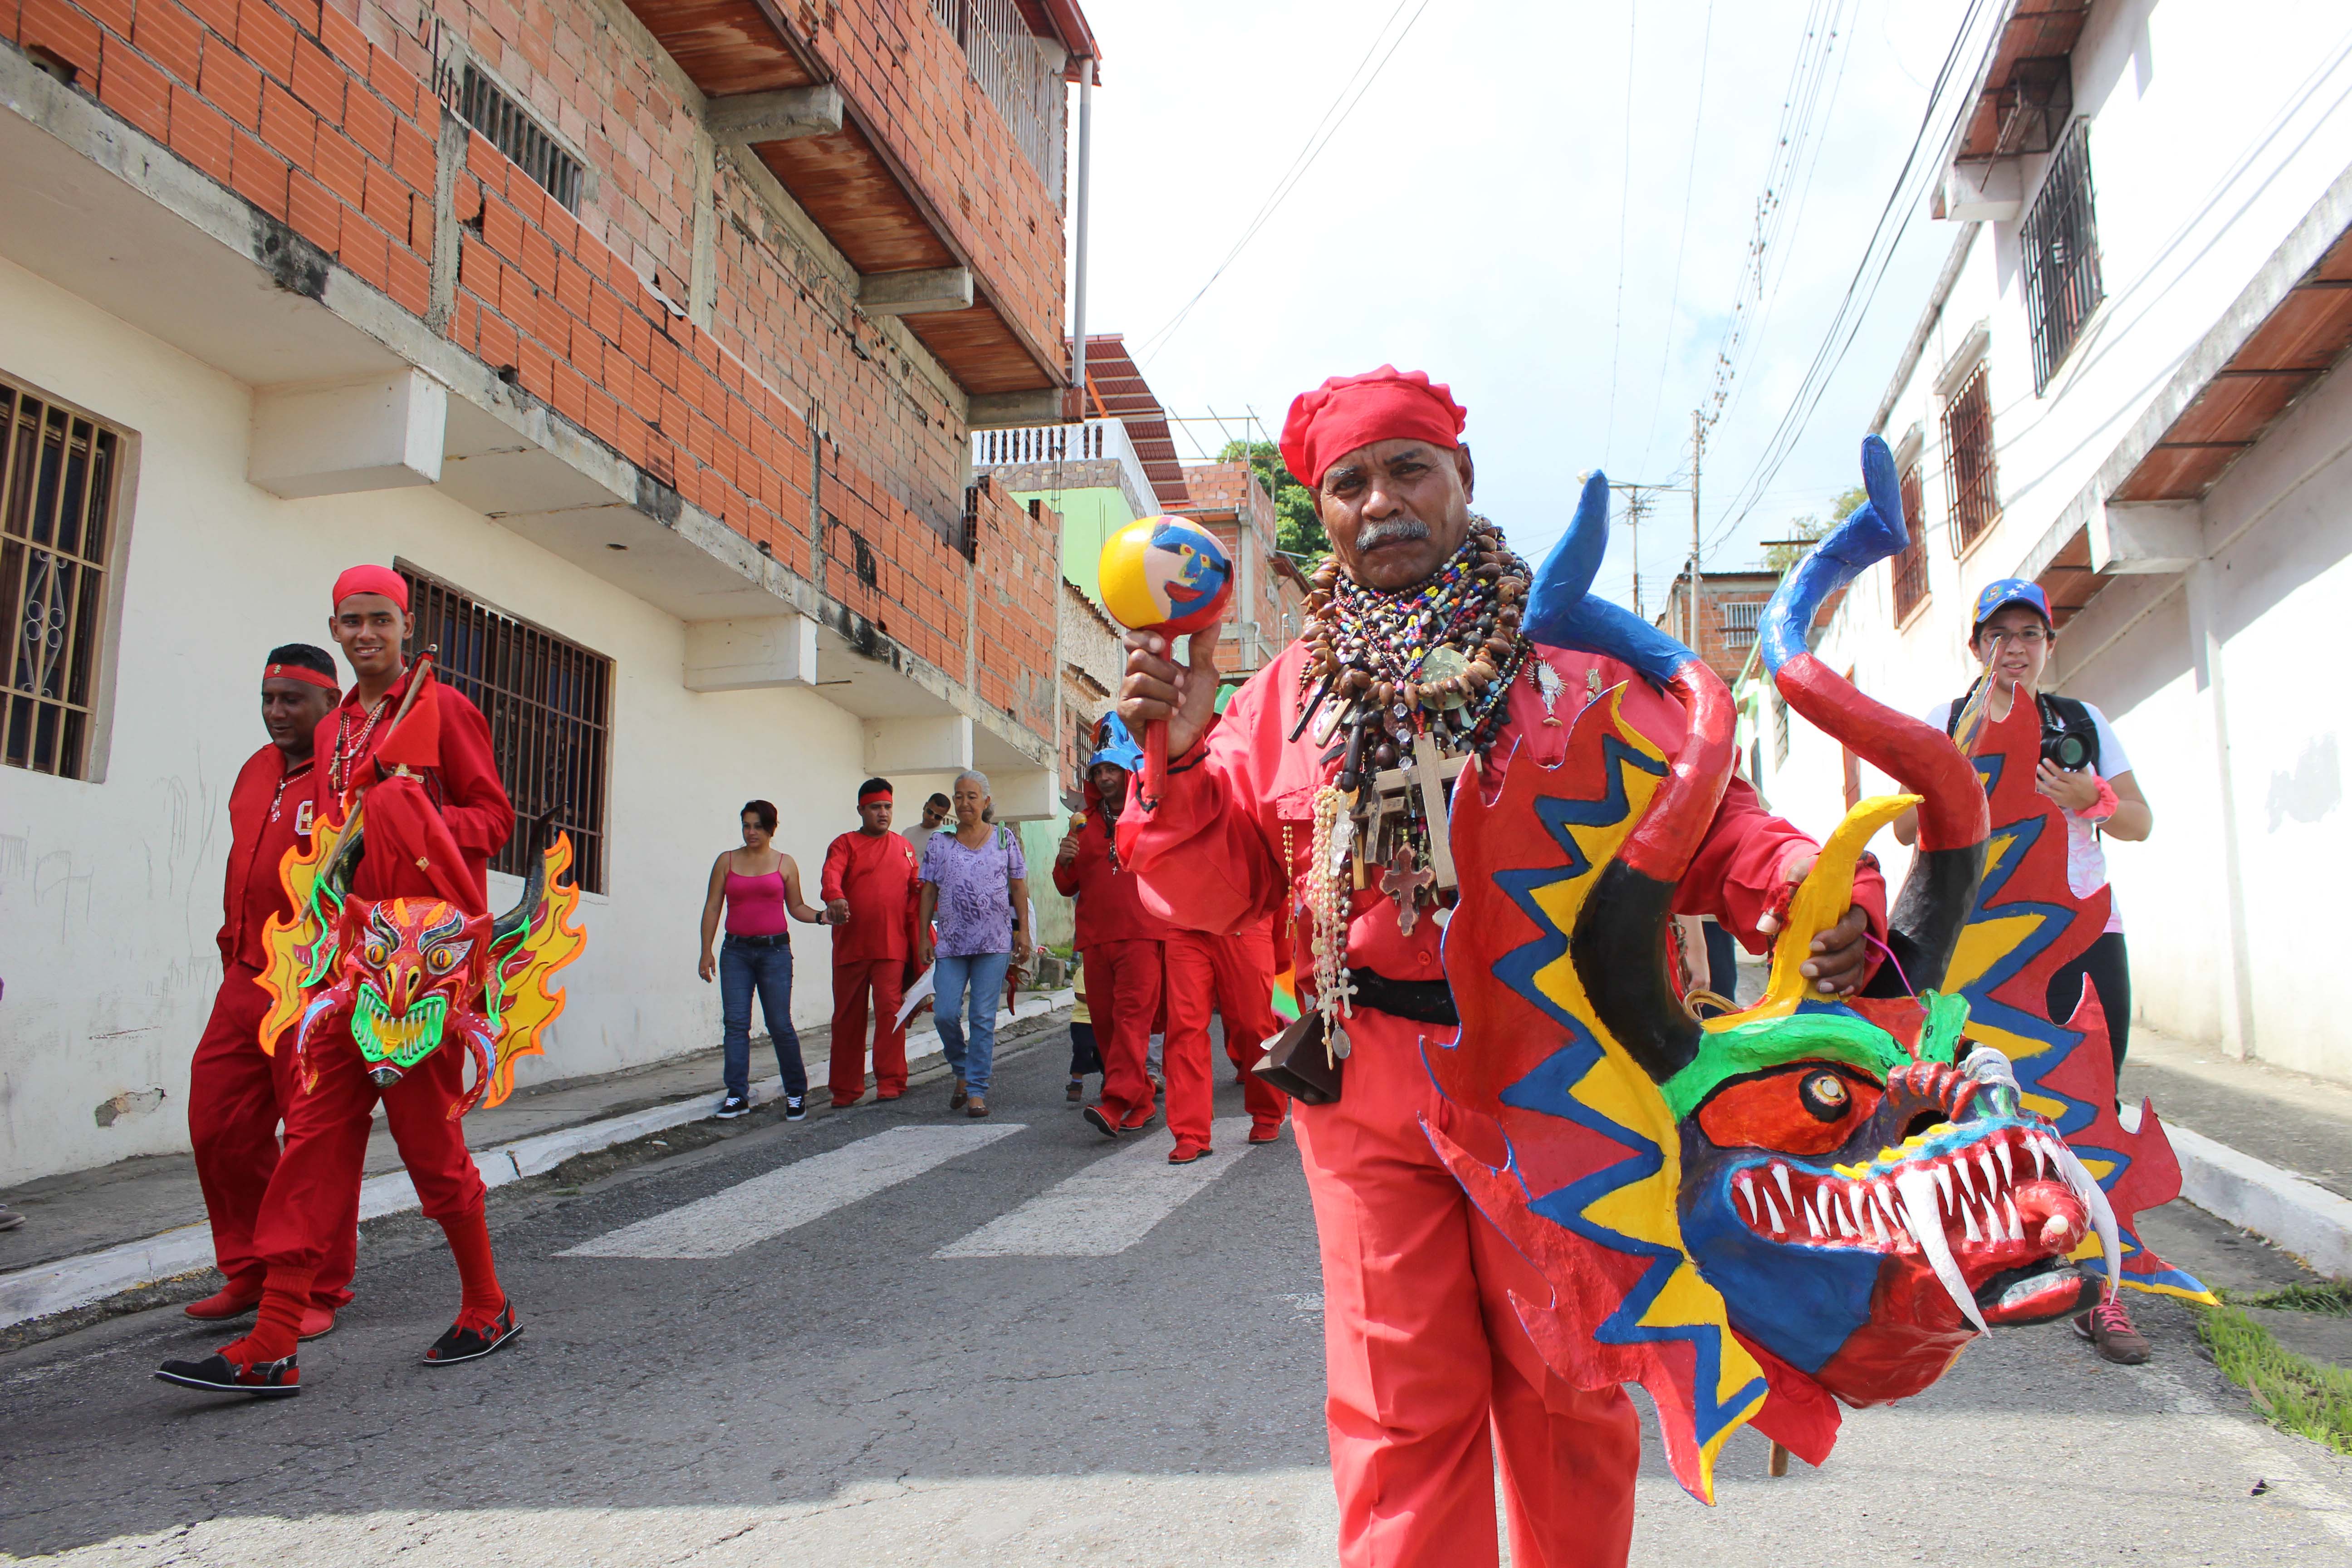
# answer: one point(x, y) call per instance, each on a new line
point(1018, 76)
point(2061, 245)
point(1740, 618)
point(512, 130)
point(59, 470)
point(548, 700)
point(1911, 565)
point(1968, 460)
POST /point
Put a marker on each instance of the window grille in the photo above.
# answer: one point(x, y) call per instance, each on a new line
point(2060, 242)
point(1968, 460)
point(1740, 619)
point(1007, 61)
point(510, 128)
point(548, 701)
point(1911, 565)
point(58, 475)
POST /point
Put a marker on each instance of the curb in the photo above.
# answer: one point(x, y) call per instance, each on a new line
point(66, 1283)
point(2308, 1220)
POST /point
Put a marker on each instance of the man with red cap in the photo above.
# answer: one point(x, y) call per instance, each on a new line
point(436, 813)
point(1431, 1379)
point(870, 892)
point(237, 1092)
point(1121, 958)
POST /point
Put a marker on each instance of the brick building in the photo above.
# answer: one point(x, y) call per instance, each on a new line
point(1269, 592)
point(649, 338)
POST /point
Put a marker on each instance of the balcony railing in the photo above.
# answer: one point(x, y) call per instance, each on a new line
point(1021, 73)
point(1097, 442)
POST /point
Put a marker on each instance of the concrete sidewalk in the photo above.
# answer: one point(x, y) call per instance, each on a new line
point(90, 1235)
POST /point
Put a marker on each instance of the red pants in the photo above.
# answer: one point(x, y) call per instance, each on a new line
point(1244, 965)
point(1432, 1380)
point(885, 977)
point(237, 1095)
point(1123, 981)
point(318, 1176)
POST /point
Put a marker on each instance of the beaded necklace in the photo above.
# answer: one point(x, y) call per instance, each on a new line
point(348, 749)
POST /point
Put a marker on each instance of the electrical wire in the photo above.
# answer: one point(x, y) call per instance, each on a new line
point(1690, 181)
point(1624, 205)
point(1307, 154)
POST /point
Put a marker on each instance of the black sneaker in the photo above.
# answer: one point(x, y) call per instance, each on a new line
point(733, 1106)
point(472, 1344)
point(795, 1108)
point(218, 1375)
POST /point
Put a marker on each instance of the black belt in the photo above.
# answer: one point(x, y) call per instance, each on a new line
point(775, 939)
point(1420, 1001)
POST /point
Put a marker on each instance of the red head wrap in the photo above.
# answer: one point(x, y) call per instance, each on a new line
point(1351, 411)
point(301, 672)
point(868, 797)
point(373, 580)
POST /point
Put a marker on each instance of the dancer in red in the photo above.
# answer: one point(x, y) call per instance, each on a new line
point(434, 814)
point(1244, 965)
point(870, 892)
point(1120, 951)
point(238, 1093)
point(1432, 1380)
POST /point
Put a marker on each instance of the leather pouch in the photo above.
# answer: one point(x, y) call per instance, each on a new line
point(1296, 1064)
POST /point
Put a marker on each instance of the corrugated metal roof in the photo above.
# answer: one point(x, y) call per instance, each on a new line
point(1115, 387)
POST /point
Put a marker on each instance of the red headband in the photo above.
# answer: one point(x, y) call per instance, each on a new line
point(1351, 411)
point(381, 580)
point(301, 672)
point(867, 797)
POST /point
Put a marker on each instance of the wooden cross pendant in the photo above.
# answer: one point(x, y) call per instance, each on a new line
point(1406, 881)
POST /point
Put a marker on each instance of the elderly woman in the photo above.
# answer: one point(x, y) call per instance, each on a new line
point(976, 887)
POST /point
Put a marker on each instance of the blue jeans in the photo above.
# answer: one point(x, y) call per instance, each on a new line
point(743, 968)
point(984, 974)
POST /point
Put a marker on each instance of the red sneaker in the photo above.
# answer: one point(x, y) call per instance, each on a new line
point(222, 1305)
point(1185, 1153)
point(1265, 1131)
point(317, 1322)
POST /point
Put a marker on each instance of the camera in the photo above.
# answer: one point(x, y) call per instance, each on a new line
point(2062, 747)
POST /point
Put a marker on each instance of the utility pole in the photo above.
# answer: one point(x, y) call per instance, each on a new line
point(1634, 510)
point(1699, 447)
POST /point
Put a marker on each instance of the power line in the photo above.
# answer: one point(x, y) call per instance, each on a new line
point(1690, 180)
point(1625, 204)
point(1305, 160)
point(1846, 322)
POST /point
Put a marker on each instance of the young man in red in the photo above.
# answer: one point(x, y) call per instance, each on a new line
point(238, 1093)
point(1236, 973)
point(430, 828)
point(1121, 953)
point(869, 891)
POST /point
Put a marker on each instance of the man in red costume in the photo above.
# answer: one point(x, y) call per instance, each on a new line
point(869, 891)
point(1241, 969)
point(238, 1093)
point(1121, 955)
point(436, 813)
point(1431, 1379)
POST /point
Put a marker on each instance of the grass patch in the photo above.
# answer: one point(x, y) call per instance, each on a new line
point(2332, 1298)
point(2294, 1393)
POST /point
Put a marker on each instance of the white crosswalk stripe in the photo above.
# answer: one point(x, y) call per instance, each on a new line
point(767, 1207)
point(1108, 1206)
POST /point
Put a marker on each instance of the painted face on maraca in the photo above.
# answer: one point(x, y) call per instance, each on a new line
point(1166, 575)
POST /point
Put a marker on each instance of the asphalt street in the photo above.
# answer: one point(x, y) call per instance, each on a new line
point(891, 1335)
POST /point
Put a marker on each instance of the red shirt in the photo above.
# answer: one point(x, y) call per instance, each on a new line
point(1237, 821)
point(1110, 898)
point(875, 872)
point(464, 789)
point(269, 811)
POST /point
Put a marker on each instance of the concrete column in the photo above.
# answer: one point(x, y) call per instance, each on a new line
point(384, 433)
point(2232, 949)
point(741, 655)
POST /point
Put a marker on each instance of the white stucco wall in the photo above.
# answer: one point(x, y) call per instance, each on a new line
point(2190, 202)
point(110, 891)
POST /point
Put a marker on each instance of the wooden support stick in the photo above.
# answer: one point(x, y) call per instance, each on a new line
point(1778, 1464)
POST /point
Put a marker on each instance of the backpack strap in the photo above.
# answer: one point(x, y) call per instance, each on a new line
point(2066, 714)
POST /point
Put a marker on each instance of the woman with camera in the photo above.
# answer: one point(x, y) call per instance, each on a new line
point(2084, 770)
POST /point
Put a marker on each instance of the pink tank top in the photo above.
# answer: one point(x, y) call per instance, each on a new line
point(755, 905)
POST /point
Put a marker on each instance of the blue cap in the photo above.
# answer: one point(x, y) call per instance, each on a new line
point(1114, 745)
point(1996, 597)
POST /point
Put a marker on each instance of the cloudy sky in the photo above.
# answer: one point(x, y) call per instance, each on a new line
point(1547, 205)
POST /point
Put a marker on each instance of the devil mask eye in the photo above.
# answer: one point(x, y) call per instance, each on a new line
point(1807, 1109)
point(375, 954)
point(1826, 1095)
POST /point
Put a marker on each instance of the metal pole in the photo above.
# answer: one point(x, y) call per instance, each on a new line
point(1085, 173)
point(1699, 445)
point(1633, 508)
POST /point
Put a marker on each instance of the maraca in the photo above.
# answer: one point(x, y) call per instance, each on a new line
point(1167, 575)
